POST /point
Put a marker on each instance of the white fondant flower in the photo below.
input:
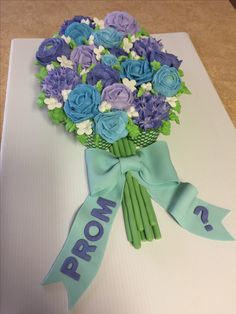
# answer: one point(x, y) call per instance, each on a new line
point(84, 127)
point(132, 113)
point(98, 52)
point(85, 21)
point(84, 71)
point(52, 103)
point(50, 67)
point(65, 63)
point(98, 22)
point(133, 38)
point(91, 40)
point(66, 38)
point(147, 87)
point(127, 45)
point(171, 101)
point(129, 83)
point(65, 93)
point(134, 55)
point(105, 106)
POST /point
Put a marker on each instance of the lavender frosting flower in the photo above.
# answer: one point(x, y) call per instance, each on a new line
point(103, 72)
point(83, 55)
point(152, 110)
point(164, 58)
point(118, 95)
point(59, 79)
point(121, 21)
point(145, 45)
point(78, 19)
point(52, 48)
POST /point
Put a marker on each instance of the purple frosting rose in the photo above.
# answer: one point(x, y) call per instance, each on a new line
point(122, 22)
point(59, 79)
point(145, 45)
point(78, 19)
point(50, 49)
point(83, 55)
point(103, 72)
point(152, 110)
point(164, 58)
point(118, 95)
point(117, 51)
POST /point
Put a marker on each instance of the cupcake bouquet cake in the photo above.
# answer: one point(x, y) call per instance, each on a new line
point(115, 88)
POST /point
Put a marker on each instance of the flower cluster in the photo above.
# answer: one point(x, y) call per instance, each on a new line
point(108, 79)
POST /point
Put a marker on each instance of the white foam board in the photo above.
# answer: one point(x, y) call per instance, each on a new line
point(43, 183)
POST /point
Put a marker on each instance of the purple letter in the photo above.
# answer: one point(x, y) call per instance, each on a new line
point(105, 210)
point(81, 249)
point(69, 268)
point(92, 224)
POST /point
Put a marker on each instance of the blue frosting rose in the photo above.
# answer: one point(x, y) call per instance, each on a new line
point(111, 126)
point(78, 31)
point(77, 18)
point(164, 58)
point(138, 70)
point(166, 81)
point(52, 48)
point(109, 60)
point(122, 21)
point(82, 103)
point(103, 72)
point(107, 37)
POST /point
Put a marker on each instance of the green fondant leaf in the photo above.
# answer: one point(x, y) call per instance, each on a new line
point(40, 101)
point(85, 41)
point(165, 128)
point(155, 65)
point(97, 28)
point(177, 107)
point(82, 138)
point(173, 117)
point(183, 90)
point(42, 73)
point(181, 72)
point(116, 67)
point(56, 64)
point(57, 115)
point(141, 91)
point(79, 68)
point(133, 129)
point(144, 32)
point(91, 67)
point(70, 125)
point(122, 58)
point(99, 86)
point(72, 44)
point(84, 78)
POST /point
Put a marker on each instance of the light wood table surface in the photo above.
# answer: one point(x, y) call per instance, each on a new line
point(211, 25)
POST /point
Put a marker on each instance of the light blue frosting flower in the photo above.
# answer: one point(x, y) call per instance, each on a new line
point(82, 103)
point(78, 31)
point(109, 60)
point(111, 126)
point(138, 70)
point(166, 81)
point(107, 37)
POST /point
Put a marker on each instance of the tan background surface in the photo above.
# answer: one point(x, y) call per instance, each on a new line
point(211, 25)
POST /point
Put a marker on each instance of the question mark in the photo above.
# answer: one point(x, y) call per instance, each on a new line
point(204, 216)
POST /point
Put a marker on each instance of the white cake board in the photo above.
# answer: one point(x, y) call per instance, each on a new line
point(44, 183)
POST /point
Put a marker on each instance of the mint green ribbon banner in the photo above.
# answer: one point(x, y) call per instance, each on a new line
point(81, 256)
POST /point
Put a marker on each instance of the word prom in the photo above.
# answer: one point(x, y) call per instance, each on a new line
point(93, 231)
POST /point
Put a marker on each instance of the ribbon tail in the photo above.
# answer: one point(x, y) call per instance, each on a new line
point(83, 251)
point(193, 214)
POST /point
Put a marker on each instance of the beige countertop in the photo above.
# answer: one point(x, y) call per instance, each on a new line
point(211, 25)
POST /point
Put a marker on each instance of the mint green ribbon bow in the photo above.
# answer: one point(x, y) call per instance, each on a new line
point(82, 253)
